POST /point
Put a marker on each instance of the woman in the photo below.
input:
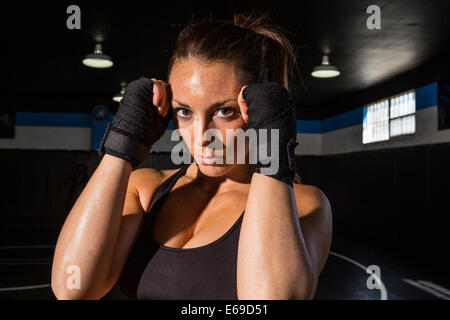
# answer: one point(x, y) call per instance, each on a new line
point(183, 234)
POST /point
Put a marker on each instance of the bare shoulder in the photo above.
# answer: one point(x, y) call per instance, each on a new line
point(316, 222)
point(310, 199)
point(145, 181)
point(149, 178)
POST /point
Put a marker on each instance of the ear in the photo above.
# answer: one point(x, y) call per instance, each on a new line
point(243, 106)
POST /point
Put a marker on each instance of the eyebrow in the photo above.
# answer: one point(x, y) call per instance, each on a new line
point(214, 105)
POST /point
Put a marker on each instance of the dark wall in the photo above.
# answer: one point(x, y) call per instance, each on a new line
point(39, 183)
point(394, 200)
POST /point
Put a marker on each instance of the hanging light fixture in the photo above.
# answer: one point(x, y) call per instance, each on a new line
point(98, 59)
point(118, 96)
point(325, 70)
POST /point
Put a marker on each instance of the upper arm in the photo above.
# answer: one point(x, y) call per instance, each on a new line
point(315, 217)
point(132, 216)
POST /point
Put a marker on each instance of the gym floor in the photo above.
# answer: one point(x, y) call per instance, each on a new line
point(26, 252)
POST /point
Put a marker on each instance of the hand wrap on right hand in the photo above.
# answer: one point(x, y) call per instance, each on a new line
point(136, 125)
point(270, 107)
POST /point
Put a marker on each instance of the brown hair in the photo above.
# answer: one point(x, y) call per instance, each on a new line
point(259, 48)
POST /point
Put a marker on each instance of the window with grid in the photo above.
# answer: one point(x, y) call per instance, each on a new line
point(391, 117)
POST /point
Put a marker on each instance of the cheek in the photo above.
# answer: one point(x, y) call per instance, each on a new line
point(236, 134)
point(186, 134)
point(187, 131)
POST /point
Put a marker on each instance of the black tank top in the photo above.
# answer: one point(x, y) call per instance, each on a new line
point(156, 272)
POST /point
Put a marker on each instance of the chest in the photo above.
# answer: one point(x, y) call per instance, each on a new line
point(188, 218)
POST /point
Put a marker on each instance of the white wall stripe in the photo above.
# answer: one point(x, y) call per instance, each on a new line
point(345, 140)
point(40, 286)
point(49, 138)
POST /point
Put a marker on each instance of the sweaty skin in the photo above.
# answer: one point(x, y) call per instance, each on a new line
point(285, 233)
point(277, 258)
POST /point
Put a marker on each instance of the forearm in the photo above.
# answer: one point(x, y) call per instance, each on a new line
point(88, 237)
point(273, 262)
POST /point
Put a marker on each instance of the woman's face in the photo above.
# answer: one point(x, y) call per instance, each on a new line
point(205, 96)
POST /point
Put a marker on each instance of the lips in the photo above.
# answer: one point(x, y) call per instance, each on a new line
point(206, 160)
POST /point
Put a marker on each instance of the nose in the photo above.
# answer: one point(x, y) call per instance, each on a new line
point(201, 125)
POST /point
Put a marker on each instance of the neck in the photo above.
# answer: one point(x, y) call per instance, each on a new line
point(236, 177)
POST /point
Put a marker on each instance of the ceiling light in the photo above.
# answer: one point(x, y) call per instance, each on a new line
point(118, 96)
point(325, 70)
point(97, 59)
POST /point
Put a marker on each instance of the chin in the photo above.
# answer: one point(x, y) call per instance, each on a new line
point(215, 170)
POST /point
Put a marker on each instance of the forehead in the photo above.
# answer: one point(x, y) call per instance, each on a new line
point(195, 78)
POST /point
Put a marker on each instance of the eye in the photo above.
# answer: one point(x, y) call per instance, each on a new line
point(182, 112)
point(226, 112)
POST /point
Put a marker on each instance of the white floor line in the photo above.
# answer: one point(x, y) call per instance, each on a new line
point(427, 289)
point(383, 291)
point(435, 287)
point(25, 288)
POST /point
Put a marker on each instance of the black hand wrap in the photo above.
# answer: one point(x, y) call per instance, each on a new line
point(136, 125)
point(270, 107)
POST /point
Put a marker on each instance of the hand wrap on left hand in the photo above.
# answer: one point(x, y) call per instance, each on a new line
point(270, 107)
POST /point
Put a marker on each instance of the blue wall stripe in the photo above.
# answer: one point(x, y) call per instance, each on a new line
point(364, 114)
point(427, 96)
point(53, 119)
point(343, 120)
point(309, 126)
point(98, 131)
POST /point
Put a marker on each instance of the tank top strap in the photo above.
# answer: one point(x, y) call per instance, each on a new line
point(167, 185)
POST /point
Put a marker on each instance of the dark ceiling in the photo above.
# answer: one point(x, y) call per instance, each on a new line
point(44, 70)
